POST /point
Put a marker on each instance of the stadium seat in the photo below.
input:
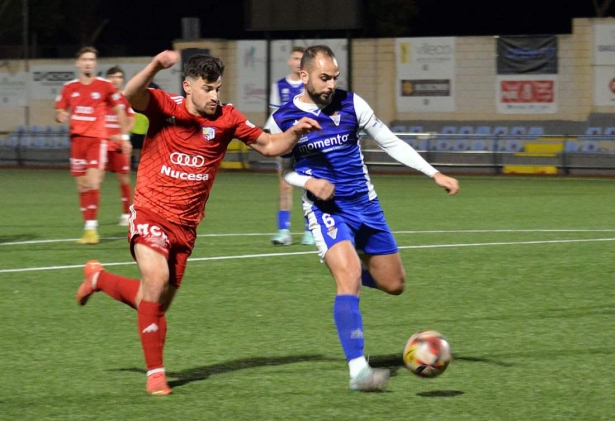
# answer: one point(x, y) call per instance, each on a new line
point(13, 140)
point(21, 129)
point(461, 145)
point(416, 129)
point(483, 130)
point(38, 142)
point(594, 131)
point(398, 128)
point(518, 130)
point(478, 145)
point(609, 131)
point(449, 130)
point(466, 130)
point(443, 145)
point(536, 131)
point(500, 131)
point(590, 146)
point(514, 145)
point(571, 146)
point(35, 129)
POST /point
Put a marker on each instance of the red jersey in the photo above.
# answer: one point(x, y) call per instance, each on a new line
point(181, 156)
point(112, 124)
point(88, 105)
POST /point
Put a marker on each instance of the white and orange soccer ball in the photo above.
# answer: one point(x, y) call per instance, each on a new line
point(427, 354)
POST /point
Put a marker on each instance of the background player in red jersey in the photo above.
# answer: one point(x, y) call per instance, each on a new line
point(85, 101)
point(186, 142)
point(120, 148)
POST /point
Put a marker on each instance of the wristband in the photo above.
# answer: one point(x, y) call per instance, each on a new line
point(125, 137)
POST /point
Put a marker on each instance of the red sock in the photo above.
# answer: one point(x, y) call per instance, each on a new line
point(92, 198)
point(83, 203)
point(118, 287)
point(125, 192)
point(152, 340)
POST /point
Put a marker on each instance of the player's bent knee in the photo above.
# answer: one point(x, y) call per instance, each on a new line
point(396, 287)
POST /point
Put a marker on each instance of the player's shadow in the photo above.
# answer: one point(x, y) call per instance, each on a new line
point(202, 373)
point(440, 394)
point(17, 237)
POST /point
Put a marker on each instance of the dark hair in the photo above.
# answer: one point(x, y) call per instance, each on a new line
point(310, 53)
point(115, 69)
point(84, 50)
point(297, 49)
point(203, 66)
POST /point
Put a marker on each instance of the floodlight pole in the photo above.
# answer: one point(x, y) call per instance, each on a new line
point(268, 74)
point(26, 56)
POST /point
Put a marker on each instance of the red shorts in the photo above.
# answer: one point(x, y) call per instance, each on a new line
point(85, 153)
point(173, 241)
point(118, 162)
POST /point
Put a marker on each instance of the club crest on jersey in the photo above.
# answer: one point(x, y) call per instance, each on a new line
point(209, 133)
point(336, 118)
point(95, 95)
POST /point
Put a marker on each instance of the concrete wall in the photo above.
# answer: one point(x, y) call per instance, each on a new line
point(374, 78)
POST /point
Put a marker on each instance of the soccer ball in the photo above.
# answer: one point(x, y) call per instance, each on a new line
point(427, 354)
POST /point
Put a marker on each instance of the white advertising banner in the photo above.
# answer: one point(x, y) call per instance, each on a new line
point(425, 74)
point(13, 89)
point(46, 81)
point(604, 85)
point(604, 44)
point(252, 68)
point(526, 94)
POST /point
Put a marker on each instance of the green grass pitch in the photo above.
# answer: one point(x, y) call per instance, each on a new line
point(518, 274)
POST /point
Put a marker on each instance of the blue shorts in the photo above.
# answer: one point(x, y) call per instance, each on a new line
point(363, 224)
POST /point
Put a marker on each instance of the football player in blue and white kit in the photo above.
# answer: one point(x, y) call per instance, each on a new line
point(340, 202)
point(282, 92)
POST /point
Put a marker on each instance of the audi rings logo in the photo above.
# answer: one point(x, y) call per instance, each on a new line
point(185, 160)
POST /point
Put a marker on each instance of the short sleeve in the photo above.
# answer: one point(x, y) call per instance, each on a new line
point(62, 99)
point(245, 130)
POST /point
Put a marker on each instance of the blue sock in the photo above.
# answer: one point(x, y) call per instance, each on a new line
point(367, 280)
point(283, 220)
point(349, 325)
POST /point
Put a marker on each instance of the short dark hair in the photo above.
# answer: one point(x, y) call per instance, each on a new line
point(87, 49)
point(311, 52)
point(203, 66)
point(115, 69)
point(297, 49)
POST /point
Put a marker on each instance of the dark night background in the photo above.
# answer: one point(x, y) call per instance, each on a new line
point(140, 27)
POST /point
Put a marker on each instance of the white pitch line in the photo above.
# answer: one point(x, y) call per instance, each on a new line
point(251, 256)
point(255, 234)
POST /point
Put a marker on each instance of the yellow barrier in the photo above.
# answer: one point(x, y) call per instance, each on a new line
point(530, 169)
point(236, 156)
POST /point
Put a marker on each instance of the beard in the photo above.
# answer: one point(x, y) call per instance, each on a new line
point(319, 98)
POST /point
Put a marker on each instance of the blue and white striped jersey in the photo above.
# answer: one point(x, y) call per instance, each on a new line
point(332, 153)
point(283, 91)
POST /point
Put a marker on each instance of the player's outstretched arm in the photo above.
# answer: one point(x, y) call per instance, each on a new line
point(136, 89)
point(450, 184)
point(271, 145)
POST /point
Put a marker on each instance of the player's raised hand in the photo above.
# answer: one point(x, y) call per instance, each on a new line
point(450, 184)
point(305, 125)
point(167, 58)
point(320, 188)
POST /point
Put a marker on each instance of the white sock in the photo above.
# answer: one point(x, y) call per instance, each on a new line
point(91, 225)
point(356, 365)
point(155, 370)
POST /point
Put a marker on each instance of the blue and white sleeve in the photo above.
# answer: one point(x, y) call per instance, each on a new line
point(386, 139)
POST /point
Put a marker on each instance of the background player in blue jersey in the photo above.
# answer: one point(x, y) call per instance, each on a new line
point(282, 92)
point(340, 202)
